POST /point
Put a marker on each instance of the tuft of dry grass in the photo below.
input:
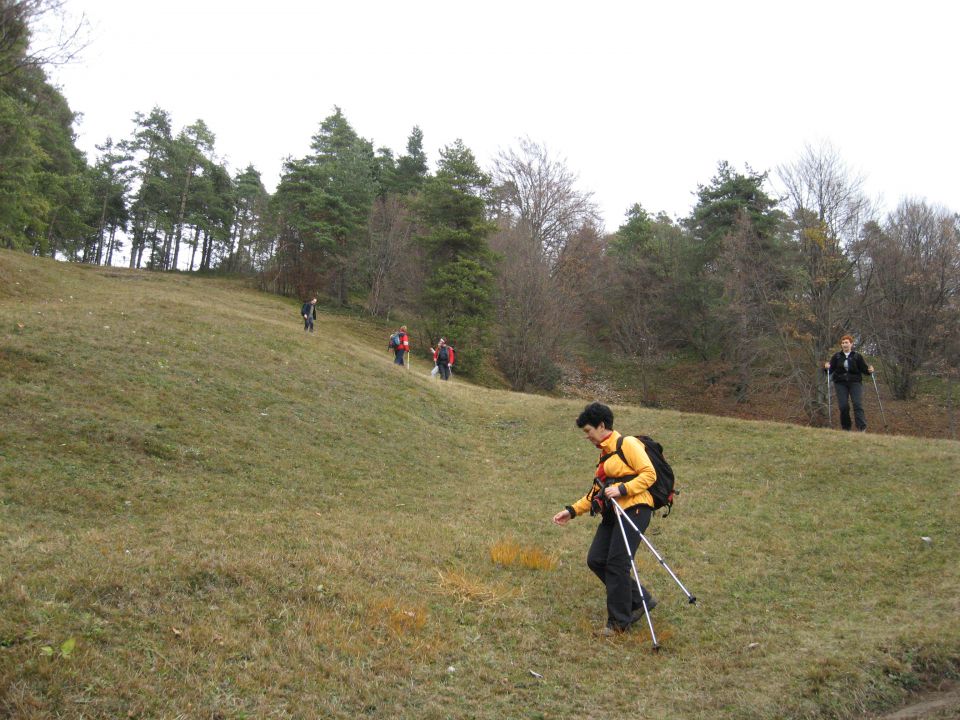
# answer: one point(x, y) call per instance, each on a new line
point(510, 552)
point(398, 617)
point(467, 588)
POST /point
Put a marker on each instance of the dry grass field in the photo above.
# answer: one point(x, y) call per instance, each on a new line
point(205, 513)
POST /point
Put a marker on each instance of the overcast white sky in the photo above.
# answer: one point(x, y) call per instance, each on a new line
point(640, 99)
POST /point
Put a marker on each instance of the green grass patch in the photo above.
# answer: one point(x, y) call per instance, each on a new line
point(206, 513)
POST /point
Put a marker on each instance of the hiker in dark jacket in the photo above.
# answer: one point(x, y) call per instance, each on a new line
point(443, 357)
point(608, 557)
point(847, 368)
point(309, 312)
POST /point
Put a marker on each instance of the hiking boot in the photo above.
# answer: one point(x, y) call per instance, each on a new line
point(638, 611)
point(609, 631)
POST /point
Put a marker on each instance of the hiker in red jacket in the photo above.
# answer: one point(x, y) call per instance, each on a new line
point(400, 344)
point(443, 357)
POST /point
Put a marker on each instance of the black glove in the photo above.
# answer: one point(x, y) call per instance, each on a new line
point(598, 503)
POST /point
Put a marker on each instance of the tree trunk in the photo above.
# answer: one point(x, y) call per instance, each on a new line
point(179, 231)
point(231, 263)
point(196, 241)
point(111, 244)
point(238, 250)
point(207, 250)
point(134, 244)
point(101, 227)
point(165, 255)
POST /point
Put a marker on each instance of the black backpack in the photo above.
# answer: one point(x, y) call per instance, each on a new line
point(662, 490)
point(443, 354)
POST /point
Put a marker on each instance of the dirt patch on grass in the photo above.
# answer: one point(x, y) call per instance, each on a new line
point(940, 704)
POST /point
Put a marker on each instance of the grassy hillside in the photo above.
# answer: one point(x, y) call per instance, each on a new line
point(205, 513)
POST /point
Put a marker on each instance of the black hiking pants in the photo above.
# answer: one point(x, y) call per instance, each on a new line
point(610, 561)
point(847, 392)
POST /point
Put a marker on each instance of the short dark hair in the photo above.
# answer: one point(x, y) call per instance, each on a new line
point(594, 414)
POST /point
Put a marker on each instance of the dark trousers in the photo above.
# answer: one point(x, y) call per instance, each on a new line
point(444, 369)
point(398, 356)
point(845, 393)
point(308, 323)
point(610, 561)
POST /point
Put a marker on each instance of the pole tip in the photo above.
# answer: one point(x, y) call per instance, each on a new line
point(693, 600)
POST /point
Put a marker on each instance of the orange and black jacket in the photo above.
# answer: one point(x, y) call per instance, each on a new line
point(638, 473)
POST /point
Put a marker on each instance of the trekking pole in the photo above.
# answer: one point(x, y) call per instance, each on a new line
point(874, 376)
point(636, 575)
point(829, 413)
point(666, 567)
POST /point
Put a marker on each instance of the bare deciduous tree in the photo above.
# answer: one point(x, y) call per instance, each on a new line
point(948, 367)
point(538, 194)
point(538, 210)
point(756, 288)
point(910, 279)
point(390, 235)
point(828, 207)
point(822, 183)
point(581, 276)
point(531, 330)
point(35, 33)
point(633, 331)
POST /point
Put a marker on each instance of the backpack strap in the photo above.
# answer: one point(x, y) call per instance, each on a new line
point(618, 451)
point(623, 458)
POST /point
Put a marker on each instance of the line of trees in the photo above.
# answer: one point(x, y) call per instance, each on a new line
point(512, 261)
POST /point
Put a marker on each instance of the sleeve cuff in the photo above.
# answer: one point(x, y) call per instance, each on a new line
point(573, 513)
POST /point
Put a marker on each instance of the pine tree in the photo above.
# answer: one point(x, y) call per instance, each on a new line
point(457, 300)
point(322, 206)
point(111, 178)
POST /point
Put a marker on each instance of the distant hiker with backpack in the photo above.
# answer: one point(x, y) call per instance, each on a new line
point(309, 312)
point(626, 473)
point(443, 357)
point(846, 368)
point(400, 344)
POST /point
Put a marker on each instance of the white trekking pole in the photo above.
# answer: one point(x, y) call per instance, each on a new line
point(633, 565)
point(874, 376)
point(829, 413)
point(666, 567)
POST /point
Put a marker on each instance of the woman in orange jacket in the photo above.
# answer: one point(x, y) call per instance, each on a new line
point(627, 481)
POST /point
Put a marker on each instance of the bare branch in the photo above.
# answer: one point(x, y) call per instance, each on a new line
point(38, 33)
point(538, 195)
